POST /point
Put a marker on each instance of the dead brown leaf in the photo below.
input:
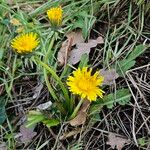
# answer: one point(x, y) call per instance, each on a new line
point(76, 37)
point(82, 48)
point(15, 22)
point(37, 90)
point(75, 54)
point(63, 52)
point(79, 119)
point(27, 134)
point(109, 76)
point(81, 116)
point(115, 140)
point(44, 106)
point(69, 134)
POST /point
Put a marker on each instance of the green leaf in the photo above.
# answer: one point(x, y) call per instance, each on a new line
point(2, 111)
point(125, 65)
point(78, 24)
point(50, 122)
point(137, 52)
point(96, 107)
point(121, 96)
point(33, 118)
point(141, 141)
point(85, 22)
point(129, 62)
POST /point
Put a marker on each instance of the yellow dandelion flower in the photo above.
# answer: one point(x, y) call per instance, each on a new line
point(85, 84)
point(55, 16)
point(25, 43)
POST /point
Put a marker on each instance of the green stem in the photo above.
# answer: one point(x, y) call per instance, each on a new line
point(12, 77)
point(49, 85)
point(45, 71)
point(76, 109)
point(49, 49)
point(52, 72)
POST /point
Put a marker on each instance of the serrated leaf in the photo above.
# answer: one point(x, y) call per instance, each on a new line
point(121, 96)
point(129, 62)
point(96, 108)
point(137, 51)
point(124, 96)
point(125, 65)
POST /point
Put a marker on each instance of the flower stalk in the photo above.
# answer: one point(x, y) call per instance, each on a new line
point(76, 109)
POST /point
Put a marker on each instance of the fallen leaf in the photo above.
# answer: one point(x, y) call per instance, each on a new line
point(100, 40)
point(76, 54)
point(81, 116)
point(109, 76)
point(83, 48)
point(69, 134)
point(15, 22)
point(76, 37)
point(44, 106)
point(116, 141)
point(37, 91)
point(93, 43)
point(27, 134)
point(79, 119)
point(62, 55)
point(85, 105)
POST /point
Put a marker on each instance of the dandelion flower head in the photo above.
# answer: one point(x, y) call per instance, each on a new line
point(83, 83)
point(55, 16)
point(25, 43)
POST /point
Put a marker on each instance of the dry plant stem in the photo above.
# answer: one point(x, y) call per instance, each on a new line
point(133, 126)
point(129, 76)
point(76, 109)
point(54, 135)
point(67, 50)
